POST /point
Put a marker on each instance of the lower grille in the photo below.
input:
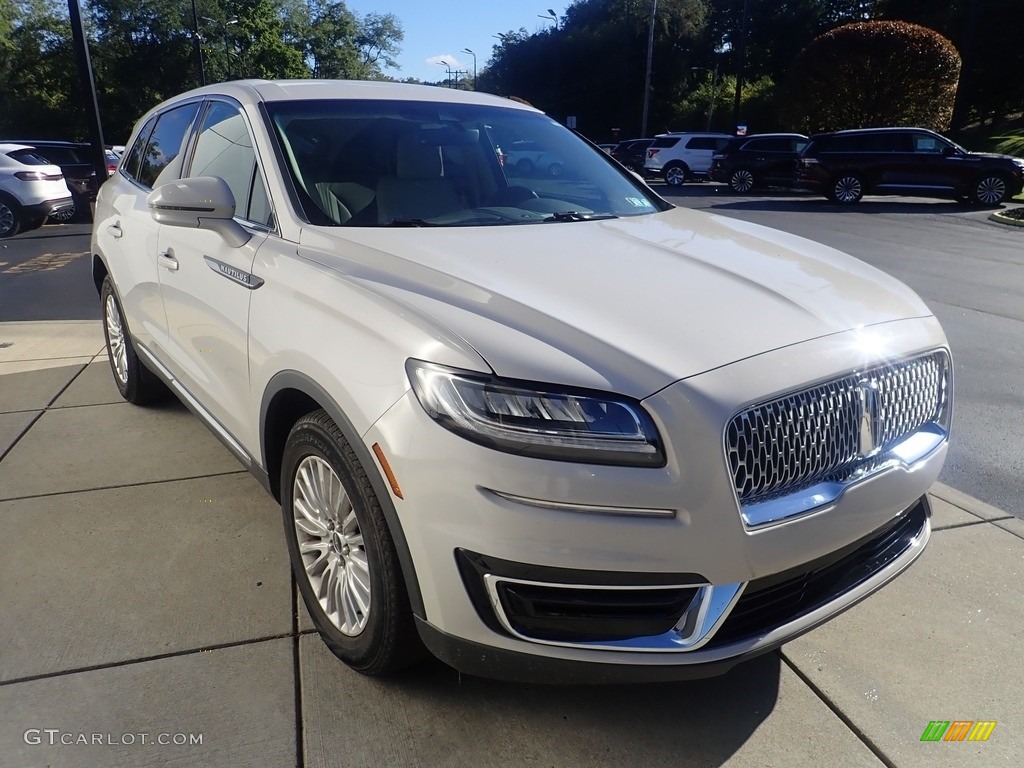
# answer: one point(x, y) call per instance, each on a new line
point(784, 597)
point(831, 431)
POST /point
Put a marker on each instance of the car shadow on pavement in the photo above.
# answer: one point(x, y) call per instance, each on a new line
point(698, 722)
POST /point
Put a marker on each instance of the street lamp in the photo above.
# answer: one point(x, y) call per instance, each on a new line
point(552, 16)
point(444, 64)
point(466, 50)
point(714, 83)
point(227, 53)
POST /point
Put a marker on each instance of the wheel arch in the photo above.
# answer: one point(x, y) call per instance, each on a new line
point(289, 396)
point(99, 271)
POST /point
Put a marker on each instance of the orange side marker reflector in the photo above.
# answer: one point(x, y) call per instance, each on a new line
point(388, 473)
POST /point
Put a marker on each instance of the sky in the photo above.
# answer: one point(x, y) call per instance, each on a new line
point(439, 30)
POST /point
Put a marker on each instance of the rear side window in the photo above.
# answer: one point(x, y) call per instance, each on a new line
point(664, 142)
point(705, 142)
point(162, 158)
point(133, 158)
point(27, 157)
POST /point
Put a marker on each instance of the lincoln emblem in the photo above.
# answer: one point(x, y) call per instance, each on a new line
point(868, 432)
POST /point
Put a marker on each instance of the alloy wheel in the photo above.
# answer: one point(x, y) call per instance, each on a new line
point(6, 218)
point(848, 189)
point(331, 545)
point(675, 176)
point(116, 340)
point(991, 190)
point(741, 181)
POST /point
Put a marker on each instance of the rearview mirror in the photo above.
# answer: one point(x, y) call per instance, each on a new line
point(202, 202)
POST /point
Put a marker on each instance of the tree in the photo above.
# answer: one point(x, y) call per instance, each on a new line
point(874, 74)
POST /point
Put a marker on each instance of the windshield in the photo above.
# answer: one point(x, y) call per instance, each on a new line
point(401, 163)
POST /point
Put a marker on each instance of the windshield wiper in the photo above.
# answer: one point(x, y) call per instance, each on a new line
point(577, 216)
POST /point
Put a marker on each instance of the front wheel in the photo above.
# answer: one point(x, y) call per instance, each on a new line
point(847, 189)
point(989, 191)
point(10, 217)
point(675, 175)
point(342, 553)
point(741, 181)
point(136, 383)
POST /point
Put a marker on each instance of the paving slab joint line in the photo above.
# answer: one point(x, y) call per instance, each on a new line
point(974, 507)
point(866, 740)
point(144, 659)
point(25, 431)
point(241, 471)
point(300, 757)
point(972, 523)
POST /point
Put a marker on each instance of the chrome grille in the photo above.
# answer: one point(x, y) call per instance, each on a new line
point(778, 447)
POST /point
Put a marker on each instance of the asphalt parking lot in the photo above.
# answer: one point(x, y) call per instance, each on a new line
point(149, 618)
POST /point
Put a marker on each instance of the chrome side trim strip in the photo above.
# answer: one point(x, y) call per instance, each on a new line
point(913, 449)
point(204, 415)
point(709, 608)
point(591, 509)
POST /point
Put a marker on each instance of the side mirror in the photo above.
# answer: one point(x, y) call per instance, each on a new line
point(949, 151)
point(202, 202)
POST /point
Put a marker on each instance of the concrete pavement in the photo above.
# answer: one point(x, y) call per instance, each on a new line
point(146, 604)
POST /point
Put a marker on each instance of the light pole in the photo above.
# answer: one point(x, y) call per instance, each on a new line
point(552, 16)
point(227, 53)
point(448, 69)
point(741, 54)
point(199, 44)
point(647, 76)
point(714, 83)
point(466, 50)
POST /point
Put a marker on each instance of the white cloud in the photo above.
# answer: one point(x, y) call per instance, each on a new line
point(447, 58)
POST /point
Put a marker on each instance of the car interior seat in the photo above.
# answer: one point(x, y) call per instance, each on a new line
point(418, 189)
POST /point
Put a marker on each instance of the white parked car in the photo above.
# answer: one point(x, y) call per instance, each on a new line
point(679, 157)
point(30, 190)
point(583, 435)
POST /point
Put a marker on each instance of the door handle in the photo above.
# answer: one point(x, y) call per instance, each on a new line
point(167, 260)
point(114, 230)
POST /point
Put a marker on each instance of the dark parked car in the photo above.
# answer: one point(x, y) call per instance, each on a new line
point(846, 165)
point(75, 163)
point(761, 160)
point(631, 153)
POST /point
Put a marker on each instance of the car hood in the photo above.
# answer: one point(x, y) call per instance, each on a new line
point(629, 304)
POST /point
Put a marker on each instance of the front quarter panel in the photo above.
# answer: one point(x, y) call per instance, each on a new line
point(333, 330)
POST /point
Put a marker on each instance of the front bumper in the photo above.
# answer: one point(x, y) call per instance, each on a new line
point(675, 527)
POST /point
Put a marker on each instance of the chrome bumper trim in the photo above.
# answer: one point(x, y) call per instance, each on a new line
point(590, 509)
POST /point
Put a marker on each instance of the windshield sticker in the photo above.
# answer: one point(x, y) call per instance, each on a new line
point(638, 202)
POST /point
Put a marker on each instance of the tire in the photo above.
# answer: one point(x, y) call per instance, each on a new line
point(555, 170)
point(741, 181)
point(136, 383)
point(989, 191)
point(10, 217)
point(846, 189)
point(676, 174)
point(524, 167)
point(340, 547)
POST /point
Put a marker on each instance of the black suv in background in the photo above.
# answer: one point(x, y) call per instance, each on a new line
point(631, 153)
point(761, 160)
point(846, 165)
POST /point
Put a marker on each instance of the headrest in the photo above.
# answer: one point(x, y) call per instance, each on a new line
point(416, 160)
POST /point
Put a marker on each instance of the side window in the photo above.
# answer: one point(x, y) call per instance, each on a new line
point(224, 149)
point(133, 159)
point(927, 144)
point(162, 158)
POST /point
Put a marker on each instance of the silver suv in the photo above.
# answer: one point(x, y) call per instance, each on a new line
point(677, 157)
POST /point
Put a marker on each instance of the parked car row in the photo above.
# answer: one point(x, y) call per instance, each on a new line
point(22, 208)
point(841, 165)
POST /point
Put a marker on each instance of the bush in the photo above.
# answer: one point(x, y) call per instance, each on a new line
point(875, 74)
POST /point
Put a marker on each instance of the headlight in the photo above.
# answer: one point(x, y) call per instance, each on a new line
point(537, 420)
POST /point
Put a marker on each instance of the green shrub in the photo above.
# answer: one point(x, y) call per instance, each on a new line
point(874, 74)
